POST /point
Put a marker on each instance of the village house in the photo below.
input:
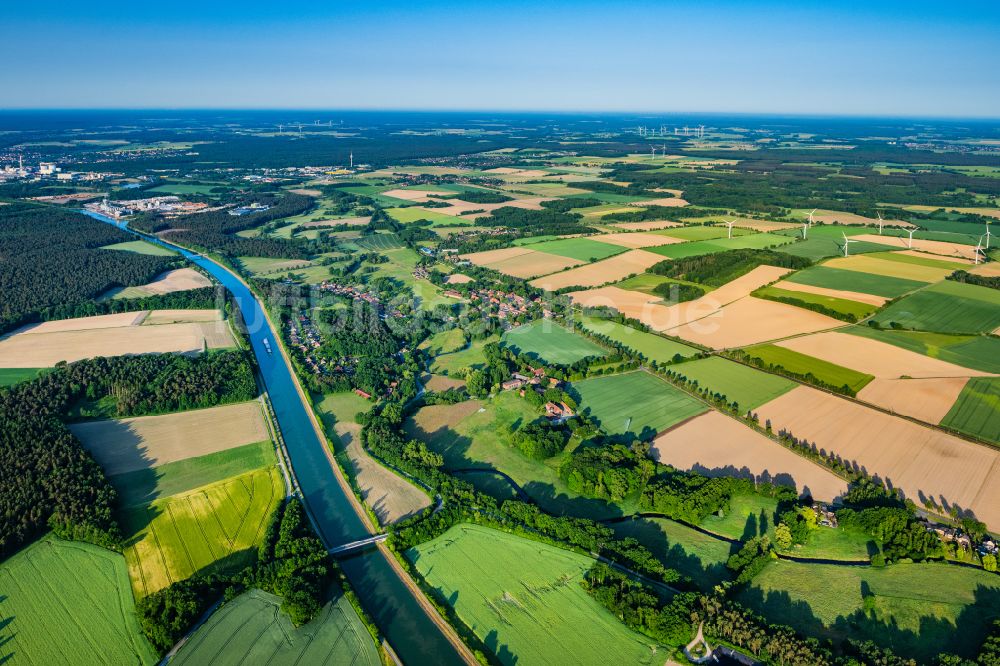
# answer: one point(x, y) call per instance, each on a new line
point(558, 411)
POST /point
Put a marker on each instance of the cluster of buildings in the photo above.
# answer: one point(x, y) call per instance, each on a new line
point(170, 206)
point(255, 207)
point(357, 293)
point(47, 171)
point(506, 305)
point(304, 336)
point(950, 534)
point(557, 412)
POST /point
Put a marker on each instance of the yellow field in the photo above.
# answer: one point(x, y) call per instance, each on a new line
point(928, 400)
point(876, 266)
point(921, 461)
point(636, 240)
point(613, 269)
point(873, 357)
point(127, 445)
point(533, 263)
point(950, 250)
point(214, 527)
point(44, 345)
point(651, 225)
point(718, 445)
point(858, 297)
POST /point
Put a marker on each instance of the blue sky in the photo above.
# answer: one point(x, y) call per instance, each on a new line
point(860, 58)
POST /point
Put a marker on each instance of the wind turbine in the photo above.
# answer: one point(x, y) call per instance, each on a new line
point(811, 216)
point(730, 224)
point(977, 250)
point(987, 234)
point(805, 230)
point(652, 152)
point(846, 241)
point(879, 213)
point(909, 243)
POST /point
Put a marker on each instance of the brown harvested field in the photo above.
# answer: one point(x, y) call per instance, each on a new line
point(33, 349)
point(870, 299)
point(629, 303)
point(82, 324)
point(180, 279)
point(874, 357)
point(433, 418)
point(745, 284)
point(665, 202)
point(876, 266)
point(126, 445)
point(534, 264)
point(458, 278)
point(950, 250)
point(307, 192)
point(919, 460)
point(389, 495)
point(928, 400)
point(990, 212)
point(991, 269)
point(493, 256)
point(465, 207)
point(650, 225)
point(718, 445)
point(157, 317)
point(440, 383)
point(831, 216)
point(352, 221)
point(613, 269)
point(750, 321)
point(636, 240)
point(762, 225)
point(928, 255)
point(417, 196)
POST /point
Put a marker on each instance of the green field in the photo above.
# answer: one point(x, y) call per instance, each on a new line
point(977, 410)
point(946, 307)
point(652, 346)
point(269, 265)
point(182, 188)
point(582, 249)
point(695, 248)
point(842, 305)
point(697, 555)
point(550, 343)
point(252, 629)
point(918, 610)
point(865, 283)
point(747, 516)
point(146, 485)
point(379, 242)
point(929, 262)
point(141, 247)
point(635, 402)
point(647, 283)
point(701, 233)
point(11, 376)
point(412, 214)
point(445, 342)
point(827, 241)
point(524, 600)
point(979, 352)
point(454, 363)
point(750, 387)
point(64, 602)
point(216, 527)
point(793, 361)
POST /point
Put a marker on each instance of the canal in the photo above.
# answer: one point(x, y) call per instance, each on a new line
point(414, 636)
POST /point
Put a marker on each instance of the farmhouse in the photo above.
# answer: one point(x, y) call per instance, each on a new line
point(558, 411)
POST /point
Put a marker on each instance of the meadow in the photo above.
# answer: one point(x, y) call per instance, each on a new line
point(977, 410)
point(454, 363)
point(213, 528)
point(792, 361)
point(252, 629)
point(11, 376)
point(748, 386)
point(972, 351)
point(583, 249)
point(524, 600)
point(653, 347)
point(841, 305)
point(141, 247)
point(696, 248)
point(68, 602)
point(634, 402)
point(946, 307)
point(697, 555)
point(918, 610)
point(445, 342)
point(550, 343)
point(411, 214)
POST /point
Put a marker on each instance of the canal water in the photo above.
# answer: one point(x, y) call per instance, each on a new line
point(414, 637)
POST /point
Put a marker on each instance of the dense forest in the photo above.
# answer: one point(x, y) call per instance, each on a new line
point(48, 479)
point(51, 258)
point(715, 270)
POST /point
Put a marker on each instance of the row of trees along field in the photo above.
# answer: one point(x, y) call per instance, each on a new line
point(291, 563)
point(51, 258)
point(47, 479)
